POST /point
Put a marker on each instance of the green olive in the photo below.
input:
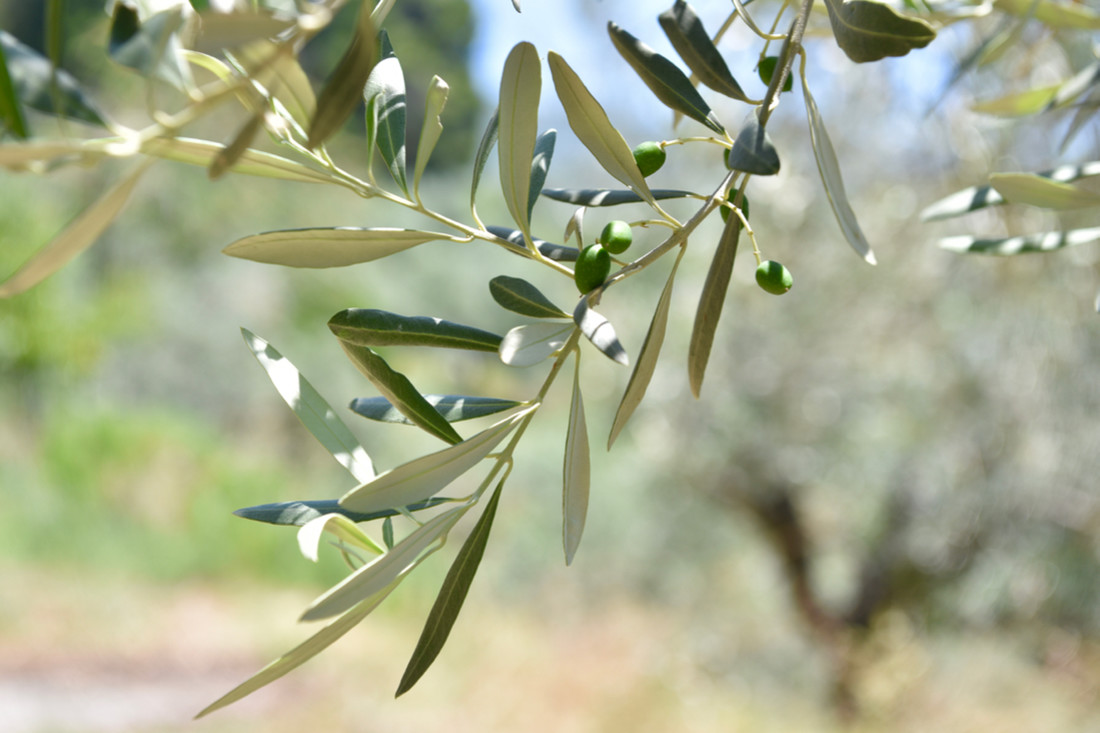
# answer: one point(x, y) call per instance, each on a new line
point(616, 237)
point(744, 207)
point(592, 268)
point(650, 157)
point(774, 277)
point(767, 68)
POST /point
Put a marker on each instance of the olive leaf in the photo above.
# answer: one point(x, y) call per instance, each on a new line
point(664, 78)
point(589, 122)
point(305, 651)
point(829, 168)
point(74, 238)
point(384, 94)
point(250, 162)
point(344, 88)
point(869, 31)
point(377, 575)
point(432, 129)
point(397, 388)
point(711, 300)
point(556, 252)
point(228, 156)
point(1053, 15)
point(454, 408)
point(11, 109)
point(753, 150)
point(540, 167)
point(690, 39)
point(328, 247)
point(528, 345)
point(519, 296)
point(283, 76)
point(297, 513)
point(600, 332)
point(1044, 242)
point(452, 595)
point(1019, 104)
point(311, 408)
point(484, 148)
point(576, 473)
point(609, 197)
point(219, 31)
point(520, 86)
point(152, 46)
point(647, 357)
point(33, 81)
point(426, 476)
point(371, 327)
point(312, 532)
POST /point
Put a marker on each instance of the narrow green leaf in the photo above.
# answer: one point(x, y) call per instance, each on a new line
point(312, 533)
point(556, 252)
point(540, 167)
point(869, 31)
point(432, 128)
point(38, 85)
point(371, 327)
point(589, 122)
point(11, 109)
point(519, 296)
point(384, 93)
point(528, 345)
point(609, 197)
point(647, 358)
point(1051, 14)
point(453, 407)
point(520, 87)
point(344, 88)
point(302, 653)
point(576, 473)
point(151, 46)
point(74, 238)
point(829, 168)
point(664, 79)
point(690, 39)
point(600, 332)
point(711, 300)
point(753, 150)
point(297, 513)
point(1034, 190)
point(377, 575)
point(311, 408)
point(484, 148)
point(452, 595)
point(228, 156)
point(330, 247)
point(1044, 242)
point(397, 388)
point(426, 476)
point(250, 162)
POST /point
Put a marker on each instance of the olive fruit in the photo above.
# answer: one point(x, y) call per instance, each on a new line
point(616, 237)
point(767, 68)
point(773, 277)
point(593, 265)
point(744, 208)
point(650, 157)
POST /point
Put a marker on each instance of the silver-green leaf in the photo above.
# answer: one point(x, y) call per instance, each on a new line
point(454, 408)
point(330, 247)
point(711, 300)
point(690, 39)
point(372, 327)
point(600, 332)
point(576, 473)
point(520, 86)
point(519, 296)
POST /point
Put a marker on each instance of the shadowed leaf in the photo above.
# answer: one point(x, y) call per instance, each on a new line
point(711, 300)
point(151, 46)
point(576, 474)
point(600, 332)
point(484, 148)
point(607, 196)
point(540, 167)
point(869, 31)
point(371, 327)
point(753, 150)
point(297, 513)
point(1044, 242)
point(384, 95)
point(690, 39)
point(664, 79)
point(36, 84)
point(344, 88)
point(556, 252)
point(519, 296)
point(452, 595)
point(454, 408)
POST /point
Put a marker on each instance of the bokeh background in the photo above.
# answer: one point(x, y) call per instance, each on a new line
point(882, 515)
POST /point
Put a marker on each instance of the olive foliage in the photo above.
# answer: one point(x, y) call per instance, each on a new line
point(198, 59)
